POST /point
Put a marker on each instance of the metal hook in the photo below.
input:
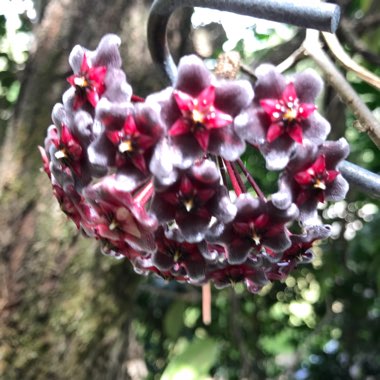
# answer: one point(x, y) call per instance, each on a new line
point(312, 15)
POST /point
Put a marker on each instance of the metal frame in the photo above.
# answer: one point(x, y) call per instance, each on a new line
point(313, 15)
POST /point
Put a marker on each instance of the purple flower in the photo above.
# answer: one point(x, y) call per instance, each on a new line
point(300, 252)
point(282, 115)
point(199, 112)
point(258, 225)
point(312, 177)
point(118, 217)
point(88, 83)
point(194, 198)
point(149, 178)
point(286, 115)
point(253, 277)
point(199, 116)
point(127, 143)
point(177, 256)
point(97, 74)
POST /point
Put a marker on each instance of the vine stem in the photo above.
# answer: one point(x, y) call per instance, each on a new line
point(206, 304)
point(366, 120)
point(250, 179)
point(238, 178)
point(137, 99)
point(145, 194)
point(234, 180)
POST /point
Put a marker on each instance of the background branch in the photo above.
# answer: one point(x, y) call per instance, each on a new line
point(345, 60)
point(366, 120)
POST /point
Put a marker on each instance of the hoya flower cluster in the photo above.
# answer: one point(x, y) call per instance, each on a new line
point(160, 180)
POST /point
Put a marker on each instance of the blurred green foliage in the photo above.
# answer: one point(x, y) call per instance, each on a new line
point(12, 58)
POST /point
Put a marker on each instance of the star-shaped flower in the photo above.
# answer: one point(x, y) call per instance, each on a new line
point(257, 225)
point(312, 177)
point(194, 198)
point(117, 217)
point(68, 150)
point(198, 116)
point(286, 114)
point(88, 83)
point(177, 255)
point(314, 180)
point(254, 278)
point(282, 116)
point(131, 144)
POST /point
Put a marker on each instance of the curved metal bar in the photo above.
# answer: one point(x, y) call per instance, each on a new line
point(314, 15)
point(367, 181)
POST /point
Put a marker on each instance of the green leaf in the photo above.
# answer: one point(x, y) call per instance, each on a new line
point(173, 320)
point(194, 362)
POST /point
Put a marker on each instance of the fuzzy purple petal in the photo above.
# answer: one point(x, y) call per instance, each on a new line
point(335, 151)
point(277, 153)
point(270, 83)
point(193, 76)
point(107, 52)
point(308, 85)
point(162, 164)
point(232, 97)
point(316, 128)
point(193, 228)
point(101, 154)
point(337, 190)
point(222, 207)
point(250, 125)
point(238, 250)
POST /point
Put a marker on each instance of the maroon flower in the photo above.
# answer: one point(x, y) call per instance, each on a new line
point(312, 177)
point(176, 256)
point(253, 277)
point(257, 225)
point(127, 141)
point(300, 252)
point(282, 115)
point(74, 206)
point(148, 179)
point(199, 112)
point(192, 200)
point(118, 217)
point(286, 114)
point(68, 150)
point(314, 181)
point(131, 144)
point(198, 116)
point(88, 83)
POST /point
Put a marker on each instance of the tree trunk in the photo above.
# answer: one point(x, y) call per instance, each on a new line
point(65, 309)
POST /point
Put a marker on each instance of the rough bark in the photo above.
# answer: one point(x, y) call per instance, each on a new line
point(65, 310)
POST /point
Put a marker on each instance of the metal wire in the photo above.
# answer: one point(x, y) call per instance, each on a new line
point(304, 13)
point(313, 15)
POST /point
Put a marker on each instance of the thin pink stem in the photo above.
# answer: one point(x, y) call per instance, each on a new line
point(206, 304)
point(137, 99)
point(145, 194)
point(234, 180)
point(250, 179)
point(237, 175)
